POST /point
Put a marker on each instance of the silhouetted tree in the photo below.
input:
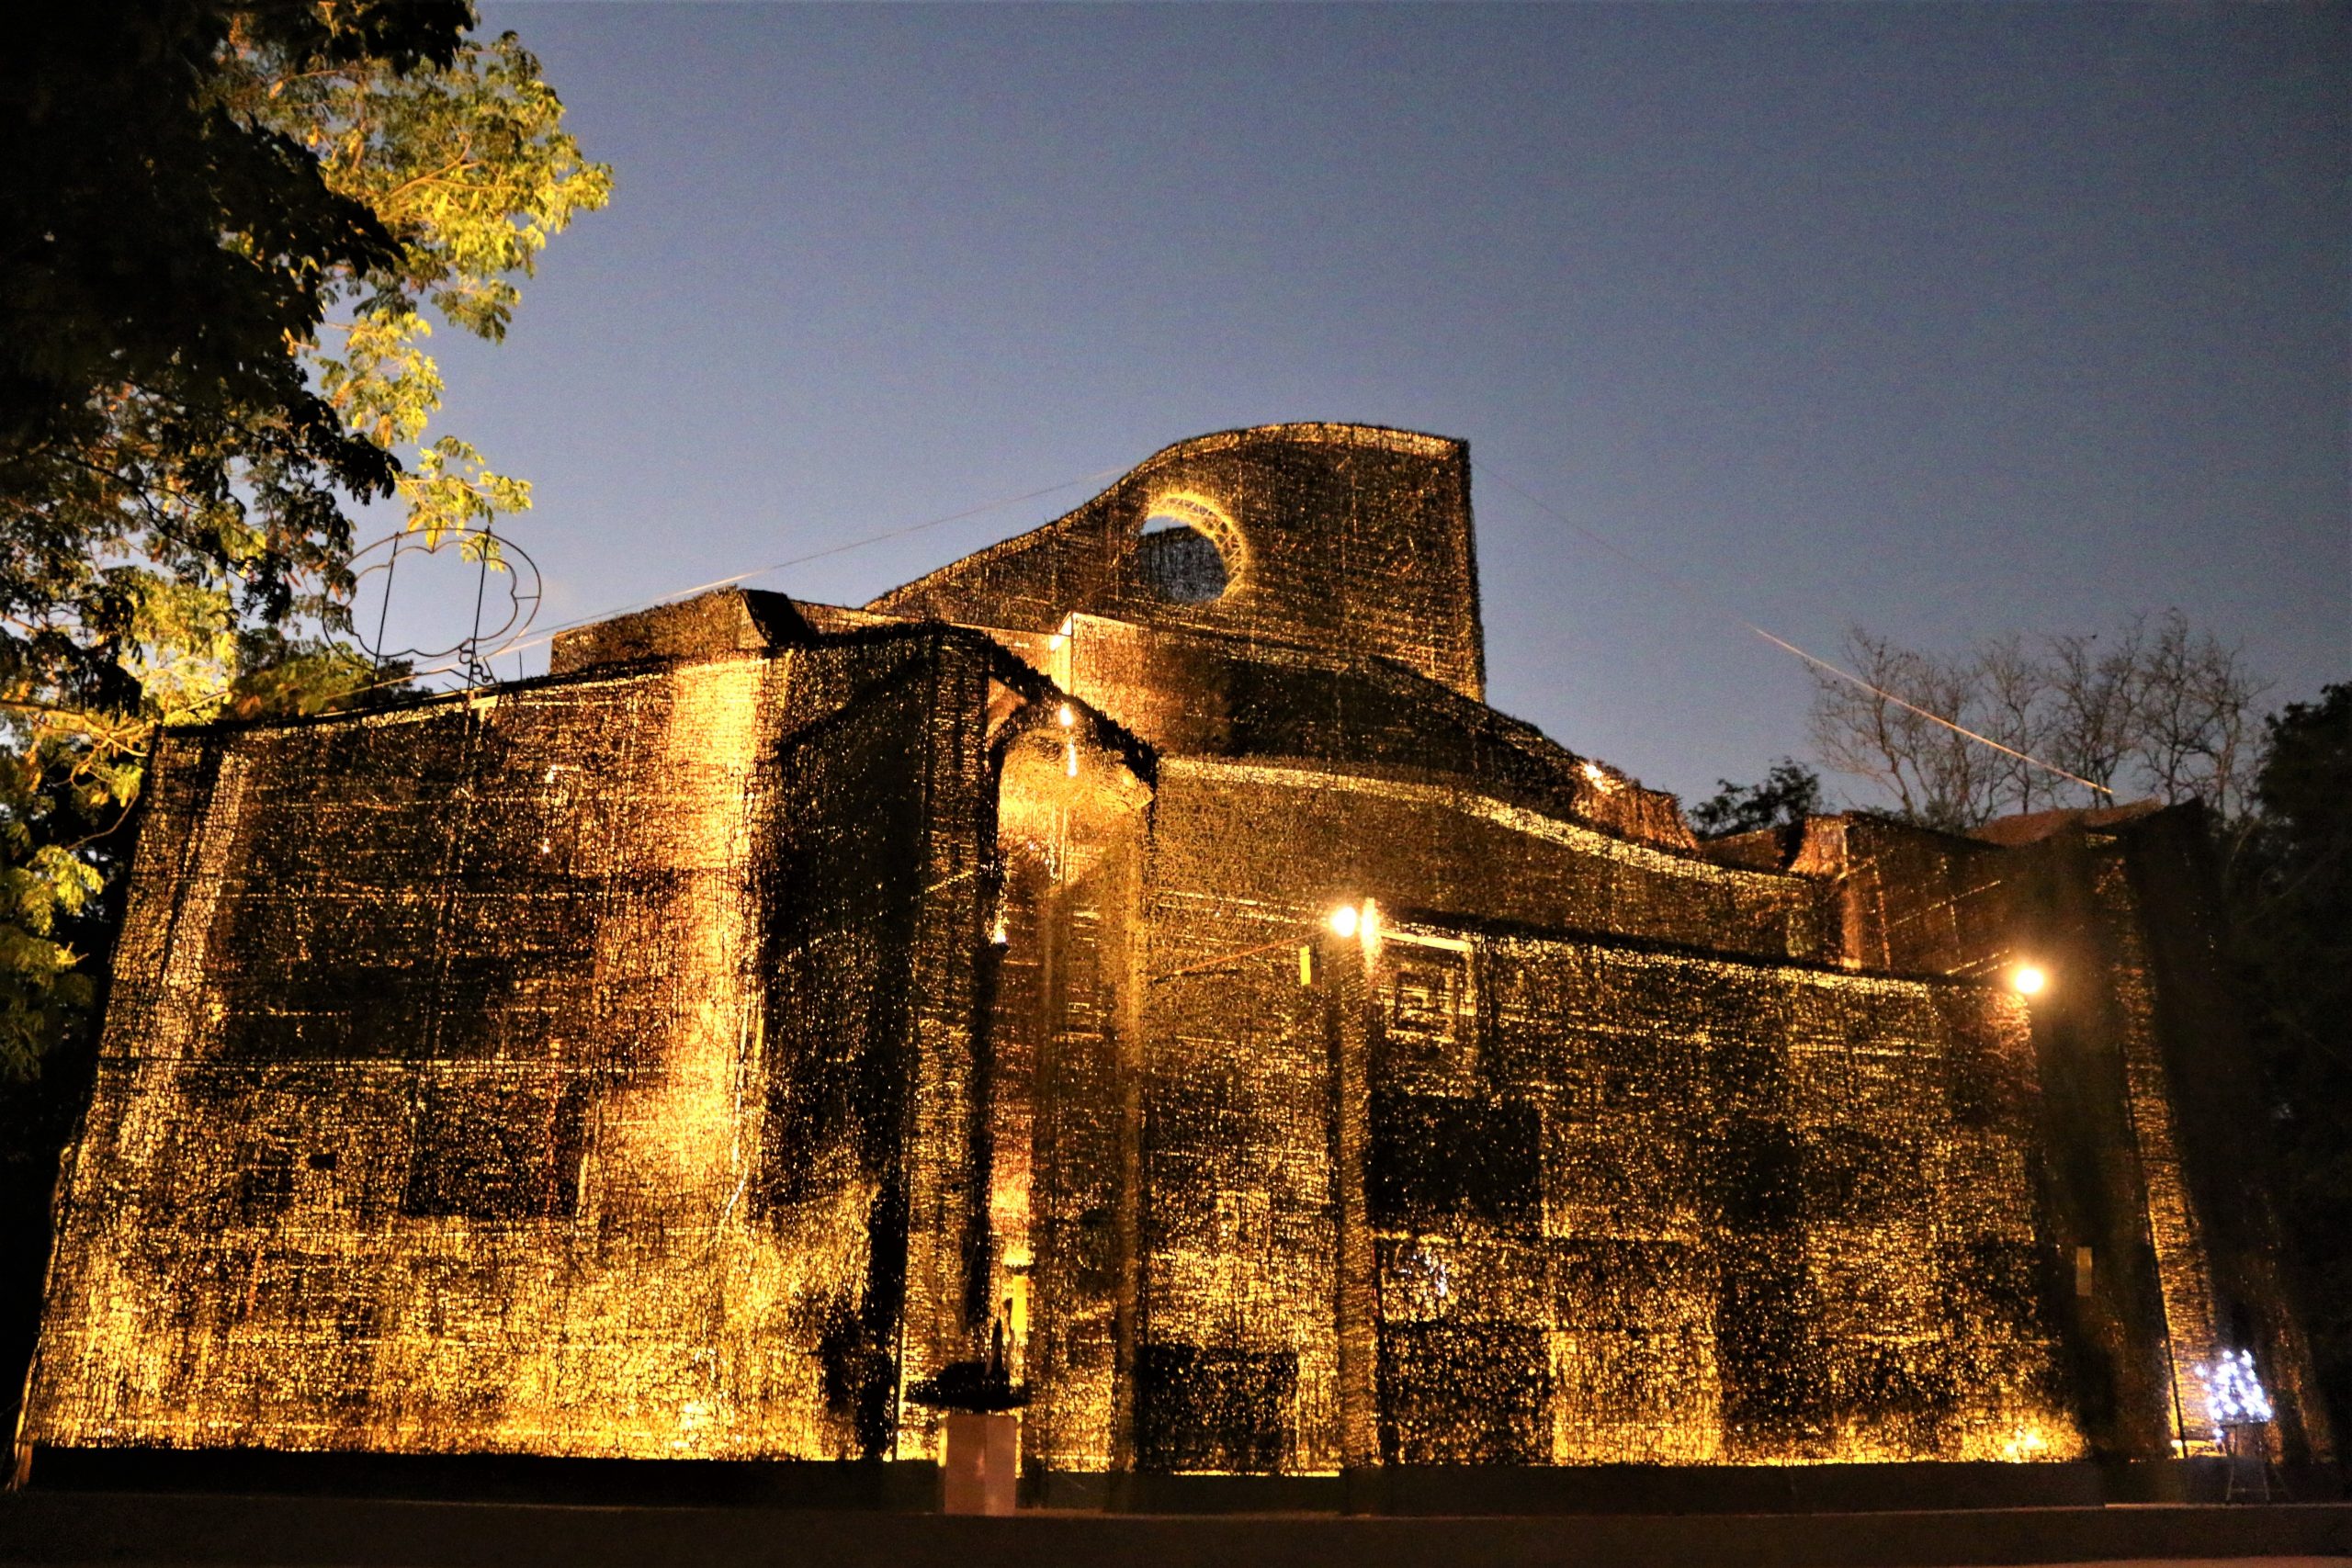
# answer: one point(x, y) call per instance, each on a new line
point(221, 225)
point(2292, 892)
point(2155, 708)
point(1789, 793)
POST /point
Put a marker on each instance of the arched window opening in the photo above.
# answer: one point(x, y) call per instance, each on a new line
point(1184, 551)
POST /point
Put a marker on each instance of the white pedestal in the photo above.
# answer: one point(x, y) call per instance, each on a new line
point(983, 1464)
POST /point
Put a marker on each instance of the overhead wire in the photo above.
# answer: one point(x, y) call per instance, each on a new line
point(1591, 536)
point(553, 632)
point(1712, 602)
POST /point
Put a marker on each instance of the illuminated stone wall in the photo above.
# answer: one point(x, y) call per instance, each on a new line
point(2169, 888)
point(1345, 539)
point(567, 1071)
point(690, 1053)
point(1190, 693)
point(1063, 1051)
point(1624, 1202)
point(1421, 844)
point(2153, 1139)
point(1721, 1211)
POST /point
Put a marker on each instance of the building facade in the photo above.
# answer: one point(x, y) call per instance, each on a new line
point(1139, 940)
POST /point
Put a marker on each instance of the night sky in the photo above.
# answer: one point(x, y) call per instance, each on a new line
point(1947, 320)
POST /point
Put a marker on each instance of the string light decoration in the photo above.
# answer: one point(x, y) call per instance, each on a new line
point(1199, 1003)
point(2234, 1391)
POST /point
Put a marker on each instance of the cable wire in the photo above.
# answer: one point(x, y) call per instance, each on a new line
point(1591, 536)
point(1708, 598)
point(552, 632)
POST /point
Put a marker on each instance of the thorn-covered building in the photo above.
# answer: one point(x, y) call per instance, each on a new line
point(1140, 936)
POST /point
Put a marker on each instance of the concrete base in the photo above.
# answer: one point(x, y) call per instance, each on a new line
point(894, 1485)
point(983, 1468)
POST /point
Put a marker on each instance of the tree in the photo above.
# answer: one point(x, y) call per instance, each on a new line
point(1934, 775)
point(1790, 792)
point(2155, 708)
point(222, 228)
point(2292, 905)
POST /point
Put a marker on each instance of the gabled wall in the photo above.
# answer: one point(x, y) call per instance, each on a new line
point(1348, 539)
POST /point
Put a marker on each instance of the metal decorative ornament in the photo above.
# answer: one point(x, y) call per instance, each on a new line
point(493, 629)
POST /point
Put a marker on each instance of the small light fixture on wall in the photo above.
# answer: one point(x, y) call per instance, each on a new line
point(1362, 920)
point(2029, 979)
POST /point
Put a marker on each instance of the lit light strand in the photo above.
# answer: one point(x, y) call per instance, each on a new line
point(1701, 595)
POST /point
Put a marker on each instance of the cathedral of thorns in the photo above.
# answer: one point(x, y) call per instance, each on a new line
point(1138, 940)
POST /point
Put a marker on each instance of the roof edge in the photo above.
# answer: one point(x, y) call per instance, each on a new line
point(1377, 437)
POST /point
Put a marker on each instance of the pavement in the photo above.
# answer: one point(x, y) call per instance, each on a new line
point(115, 1527)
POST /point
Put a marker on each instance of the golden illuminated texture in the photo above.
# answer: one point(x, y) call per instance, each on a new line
point(1622, 1203)
point(531, 1073)
point(1321, 571)
point(1139, 947)
point(1060, 1067)
point(2191, 1322)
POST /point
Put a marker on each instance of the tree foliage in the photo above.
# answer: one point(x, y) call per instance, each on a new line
point(2154, 707)
point(2291, 897)
point(224, 233)
point(1789, 793)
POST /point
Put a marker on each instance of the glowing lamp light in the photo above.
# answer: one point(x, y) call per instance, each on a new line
point(1357, 921)
point(2025, 1445)
point(2029, 979)
point(1343, 920)
point(1065, 718)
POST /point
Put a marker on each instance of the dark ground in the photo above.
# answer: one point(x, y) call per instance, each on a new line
point(98, 1527)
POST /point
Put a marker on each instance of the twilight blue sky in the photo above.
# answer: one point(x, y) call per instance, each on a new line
point(1946, 320)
